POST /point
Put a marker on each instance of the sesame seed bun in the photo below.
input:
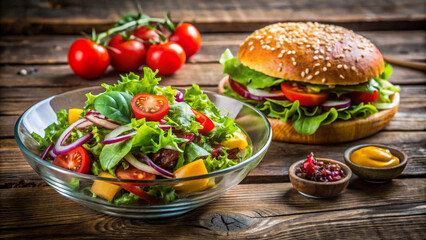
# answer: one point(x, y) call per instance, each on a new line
point(312, 52)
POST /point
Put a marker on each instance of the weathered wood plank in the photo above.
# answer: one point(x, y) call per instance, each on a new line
point(274, 211)
point(48, 49)
point(273, 168)
point(72, 16)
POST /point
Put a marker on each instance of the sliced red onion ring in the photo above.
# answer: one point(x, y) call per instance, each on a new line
point(162, 121)
point(242, 90)
point(142, 166)
point(101, 120)
point(51, 154)
point(85, 124)
point(116, 132)
point(179, 96)
point(337, 103)
point(161, 171)
point(166, 127)
point(60, 149)
point(119, 138)
point(44, 155)
point(189, 137)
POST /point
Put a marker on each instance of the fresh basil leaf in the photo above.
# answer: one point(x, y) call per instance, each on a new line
point(115, 106)
point(112, 154)
point(193, 152)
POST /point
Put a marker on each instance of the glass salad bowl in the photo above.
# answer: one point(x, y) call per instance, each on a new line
point(75, 186)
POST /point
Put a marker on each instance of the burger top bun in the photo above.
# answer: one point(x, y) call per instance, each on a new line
point(312, 52)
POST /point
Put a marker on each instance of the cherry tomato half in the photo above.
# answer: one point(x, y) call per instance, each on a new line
point(295, 91)
point(166, 57)
point(76, 160)
point(147, 34)
point(151, 107)
point(136, 174)
point(125, 55)
point(188, 37)
point(88, 59)
point(364, 97)
point(133, 173)
point(205, 121)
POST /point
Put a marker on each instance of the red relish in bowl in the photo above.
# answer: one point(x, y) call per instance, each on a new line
point(319, 171)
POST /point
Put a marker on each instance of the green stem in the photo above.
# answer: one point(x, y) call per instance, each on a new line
point(128, 25)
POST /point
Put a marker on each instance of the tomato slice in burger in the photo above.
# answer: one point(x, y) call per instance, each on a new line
point(151, 107)
point(205, 121)
point(364, 97)
point(297, 92)
point(136, 174)
point(76, 160)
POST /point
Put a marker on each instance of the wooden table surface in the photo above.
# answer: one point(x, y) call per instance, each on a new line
point(37, 34)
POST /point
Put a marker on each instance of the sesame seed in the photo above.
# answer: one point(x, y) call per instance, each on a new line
point(328, 64)
point(322, 51)
point(353, 68)
point(283, 51)
point(280, 55)
point(317, 64)
point(328, 49)
point(362, 55)
point(357, 60)
point(341, 56)
point(302, 74)
point(315, 57)
point(308, 46)
point(316, 52)
point(250, 43)
point(272, 49)
point(292, 59)
point(307, 70)
point(345, 67)
point(309, 77)
point(339, 66)
point(327, 58)
point(321, 57)
point(316, 73)
point(341, 76)
point(323, 80)
point(251, 48)
point(324, 69)
point(294, 63)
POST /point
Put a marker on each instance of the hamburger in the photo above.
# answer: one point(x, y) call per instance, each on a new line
point(316, 83)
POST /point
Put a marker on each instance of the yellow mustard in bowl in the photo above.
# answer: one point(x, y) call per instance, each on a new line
point(374, 157)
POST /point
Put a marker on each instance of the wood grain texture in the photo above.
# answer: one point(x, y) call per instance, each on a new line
point(52, 49)
point(272, 211)
point(71, 16)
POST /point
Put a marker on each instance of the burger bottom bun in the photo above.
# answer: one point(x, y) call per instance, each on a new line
point(336, 132)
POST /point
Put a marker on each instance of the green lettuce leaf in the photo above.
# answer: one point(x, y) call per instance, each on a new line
point(224, 125)
point(112, 154)
point(163, 192)
point(53, 131)
point(219, 163)
point(194, 152)
point(245, 75)
point(131, 84)
point(182, 118)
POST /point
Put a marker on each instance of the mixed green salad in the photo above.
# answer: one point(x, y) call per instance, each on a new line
point(138, 130)
point(308, 106)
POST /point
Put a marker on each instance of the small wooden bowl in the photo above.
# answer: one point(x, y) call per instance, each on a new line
point(315, 189)
point(377, 175)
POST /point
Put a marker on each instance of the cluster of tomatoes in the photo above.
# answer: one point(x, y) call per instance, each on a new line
point(145, 45)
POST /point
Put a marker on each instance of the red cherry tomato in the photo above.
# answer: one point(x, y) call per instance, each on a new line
point(188, 37)
point(147, 34)
point(205, 121)
point(88, 59)
point(125, 55)
point(133, 173)
point(295, 91)
point(151, 107)
point(166, 57)
point(76, 160)
point(364, 97)
point(136, 174)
